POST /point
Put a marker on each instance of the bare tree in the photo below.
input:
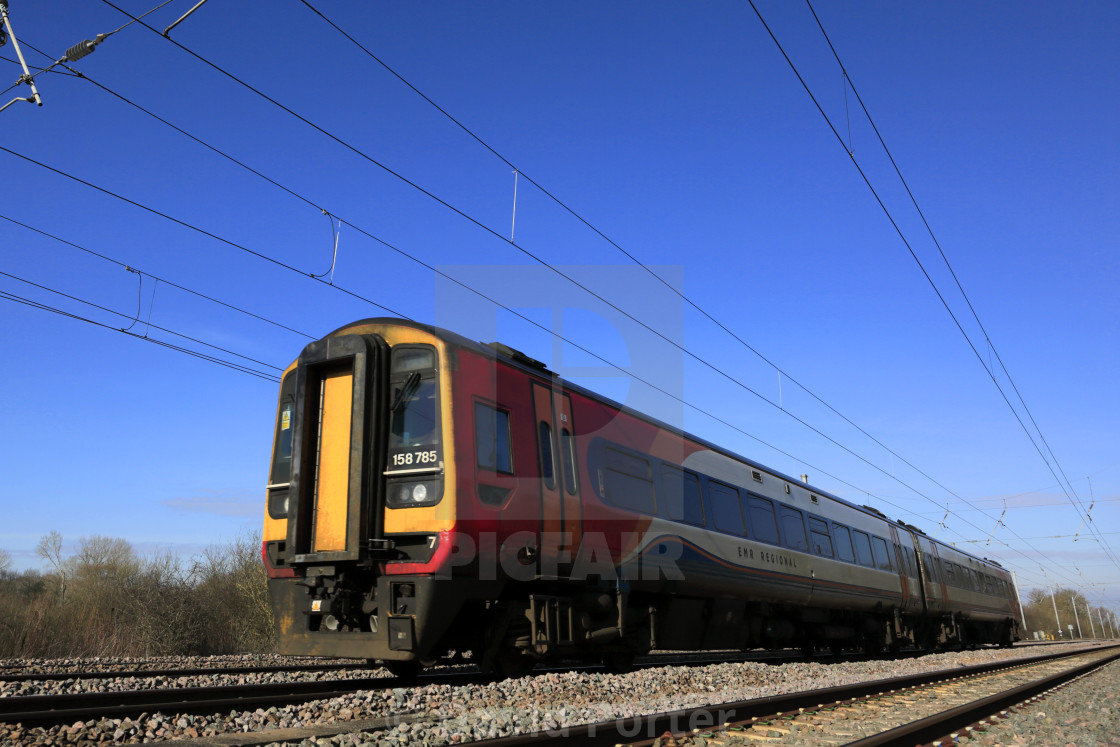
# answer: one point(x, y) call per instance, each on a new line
point(50, 550)
point(103, 557)
point(5, 562)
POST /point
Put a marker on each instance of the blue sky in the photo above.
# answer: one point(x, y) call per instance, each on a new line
point(677, 130)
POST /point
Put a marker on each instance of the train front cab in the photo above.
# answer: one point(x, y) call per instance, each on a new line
point(360, 507)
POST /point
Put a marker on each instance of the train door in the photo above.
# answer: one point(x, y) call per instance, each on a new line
point(334, 501)
point(937, 598)
point(561, 508)
point(904, 557)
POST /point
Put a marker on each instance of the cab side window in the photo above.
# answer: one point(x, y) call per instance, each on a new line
point(491, 437)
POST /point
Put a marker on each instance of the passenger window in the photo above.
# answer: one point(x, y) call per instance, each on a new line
point(627, 482)
point(568, 454)
point(727, 511)
point(491, 431)
point(882, 557)
point(819, 540)
point(680, 496)
point(793, 529)
point(843, 538)
point(763, 523)
point(863, 549)
point(548, 472)
point(950, 576)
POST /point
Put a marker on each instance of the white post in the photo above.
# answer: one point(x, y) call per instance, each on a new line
point(1055, 611)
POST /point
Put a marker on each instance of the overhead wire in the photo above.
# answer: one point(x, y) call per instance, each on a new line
point(1075, 500)
point(470, 289)
point(517, 170)
point(698, 358)
point(908, 245)
point(75, 52)
point(636, 377)
point(155, 341)
point(945, 259)
point(481, 226)
point(192, 227)
point(127, 316)
point(163, 280)
point(634, 259)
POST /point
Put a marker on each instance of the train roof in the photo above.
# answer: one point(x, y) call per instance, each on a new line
point(530, 365)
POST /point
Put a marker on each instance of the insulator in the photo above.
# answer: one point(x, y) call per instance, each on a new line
point(80, 50)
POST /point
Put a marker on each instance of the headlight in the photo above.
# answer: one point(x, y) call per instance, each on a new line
point(414, 493)
point(278, 502)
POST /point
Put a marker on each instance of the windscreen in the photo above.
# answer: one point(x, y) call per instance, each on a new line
point(414, 433)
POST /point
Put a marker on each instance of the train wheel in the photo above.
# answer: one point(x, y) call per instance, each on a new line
point(405, 670)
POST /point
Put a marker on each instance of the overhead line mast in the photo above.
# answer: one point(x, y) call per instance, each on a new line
point(6, 32)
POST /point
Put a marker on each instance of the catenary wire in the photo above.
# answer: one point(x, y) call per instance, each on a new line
point(529, 254)
point(624, 252)
point(481, 295)
point(84, 48)
point(162, 343)
point(203, 143)
point(514, 312)
point(941, 251)
point(165, 281)
point(637, 321)
point(203, 231)
point(127, 316)
point(688, 300)
point(630, 256)
point(921, 266)
point(698, 358)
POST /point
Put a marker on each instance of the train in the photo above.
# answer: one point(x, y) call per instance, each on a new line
point(432, 499)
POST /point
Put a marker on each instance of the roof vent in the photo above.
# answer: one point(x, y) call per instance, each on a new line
point(516, 355)
point(756, 475)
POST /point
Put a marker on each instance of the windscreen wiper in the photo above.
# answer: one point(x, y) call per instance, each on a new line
point(406, 389)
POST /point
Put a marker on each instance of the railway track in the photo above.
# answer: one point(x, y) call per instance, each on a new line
point(772, 657)
point(47, 710)
point(176, 672)
point(920, 709)
point(652, 660)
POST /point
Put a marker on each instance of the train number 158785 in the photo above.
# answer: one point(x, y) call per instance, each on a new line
point(415, 458)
